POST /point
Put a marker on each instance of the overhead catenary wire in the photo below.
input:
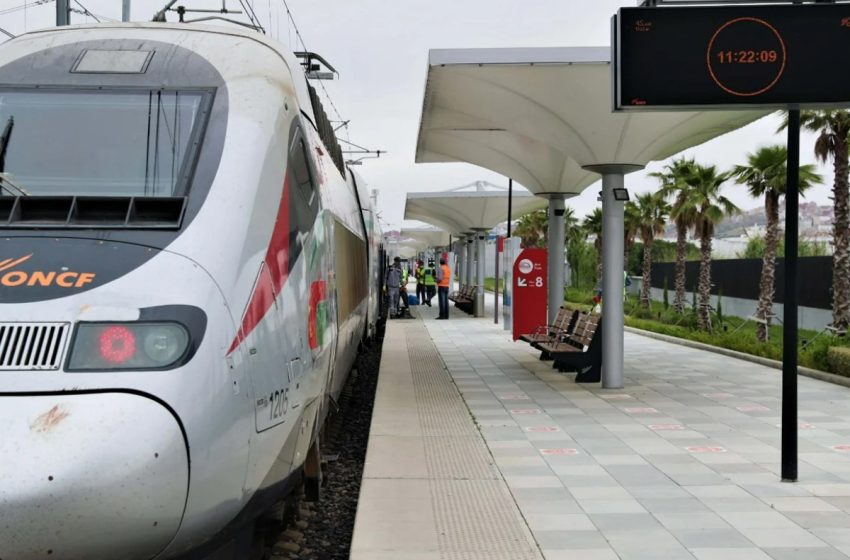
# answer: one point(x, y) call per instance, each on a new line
point(252, 15)
point(85, 11)
point(300, 38)
point(24, 6)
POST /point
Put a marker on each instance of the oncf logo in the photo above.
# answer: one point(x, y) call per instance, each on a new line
point(12, 278)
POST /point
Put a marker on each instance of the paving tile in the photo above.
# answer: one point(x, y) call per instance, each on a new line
point(572, 540)
point(606, 522)
point(749, 553)
point(657, 492)
point(611, 506)
point(758, 520)
point(701, 520)
point(559, 522)
point(673, 505)
point(818, 519)
point(718, 538)
point(600, 493)
point(836, 536)
point(783, 538)
point(583, 554)
point(786, 504)
point(822, 553)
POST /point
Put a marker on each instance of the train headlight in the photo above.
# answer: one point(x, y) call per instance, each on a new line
point(127, 346)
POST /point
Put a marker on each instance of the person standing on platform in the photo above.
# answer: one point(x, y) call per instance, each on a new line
point(393, 281)
point(402, 291)
point(430, 280)
point(444, 281)
point(420, 281)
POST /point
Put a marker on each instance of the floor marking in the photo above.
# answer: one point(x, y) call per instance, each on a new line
point(526, 411)
point(641, 410)
point(560, 451)
point(705, 449)
point(513, 397)
point(619, 397)
point(537, 429)
point(843, 448)
point(718, 395)
point(801, 425)
point(752, 408)
point(666, 427)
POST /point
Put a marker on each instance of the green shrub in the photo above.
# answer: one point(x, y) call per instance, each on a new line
point(839, 360)
point(816, 353)
point(575, 295)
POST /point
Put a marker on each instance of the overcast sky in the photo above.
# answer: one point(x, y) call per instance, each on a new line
point(380, 48)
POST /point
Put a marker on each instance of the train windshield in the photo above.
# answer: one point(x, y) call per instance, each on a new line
point(97, 143)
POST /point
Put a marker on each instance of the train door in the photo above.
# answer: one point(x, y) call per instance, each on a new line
point(308, 243)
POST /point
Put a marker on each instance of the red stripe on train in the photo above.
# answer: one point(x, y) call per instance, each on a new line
point(276, 263)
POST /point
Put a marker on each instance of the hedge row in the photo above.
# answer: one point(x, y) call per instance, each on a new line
point(839, 360)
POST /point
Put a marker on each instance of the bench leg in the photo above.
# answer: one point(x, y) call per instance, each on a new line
point(591, 373)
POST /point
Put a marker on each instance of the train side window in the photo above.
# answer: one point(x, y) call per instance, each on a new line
point(301, 172)
point(305, 204)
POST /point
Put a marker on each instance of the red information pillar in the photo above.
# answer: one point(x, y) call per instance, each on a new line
point(529, 296)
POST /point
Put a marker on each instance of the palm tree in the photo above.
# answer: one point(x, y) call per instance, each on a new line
point(631, 227)
point(651, 214)
point(766, 175)
point(572, 229)
point(592, 225)
point(674, 184)
point(531, 228)
point(709, 207)
point(833, 130)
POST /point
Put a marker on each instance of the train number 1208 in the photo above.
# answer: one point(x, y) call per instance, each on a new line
point(279, 401)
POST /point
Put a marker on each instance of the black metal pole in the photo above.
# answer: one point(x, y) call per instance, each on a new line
point(496, 307)
point(789, 331)
point(510, 203)
point(63, 12)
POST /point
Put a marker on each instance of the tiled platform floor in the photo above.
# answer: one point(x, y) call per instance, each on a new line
point(681, 463)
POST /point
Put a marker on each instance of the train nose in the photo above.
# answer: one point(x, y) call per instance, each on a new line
point(89, 476)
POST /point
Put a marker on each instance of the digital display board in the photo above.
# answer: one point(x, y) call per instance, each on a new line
point(758, 56)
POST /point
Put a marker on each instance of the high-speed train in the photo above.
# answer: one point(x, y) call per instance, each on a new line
point(187, 269)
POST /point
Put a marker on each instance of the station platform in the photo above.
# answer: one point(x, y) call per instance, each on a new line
point(478, 450)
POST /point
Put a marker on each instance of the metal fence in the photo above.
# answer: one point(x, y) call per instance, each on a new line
point(740, 278)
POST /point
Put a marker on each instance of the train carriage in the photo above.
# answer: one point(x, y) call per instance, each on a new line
point(187, 270)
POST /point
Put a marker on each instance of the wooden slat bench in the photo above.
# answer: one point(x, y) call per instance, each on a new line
point(564, 321)
point(465, 299)
point(581, 351)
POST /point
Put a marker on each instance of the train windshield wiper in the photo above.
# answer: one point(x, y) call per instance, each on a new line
point(4, 145)
point(8, 184)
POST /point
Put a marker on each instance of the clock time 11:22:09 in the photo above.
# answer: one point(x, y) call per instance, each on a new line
point(747, 57)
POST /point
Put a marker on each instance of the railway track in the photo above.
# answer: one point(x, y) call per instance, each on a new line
point(322, 530)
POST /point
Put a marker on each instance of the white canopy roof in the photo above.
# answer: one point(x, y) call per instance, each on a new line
point(461, 212)
point(429, 237)
point(538, 115)
point(407, 251)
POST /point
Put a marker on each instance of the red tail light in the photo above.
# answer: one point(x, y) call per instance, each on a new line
point(117, 344)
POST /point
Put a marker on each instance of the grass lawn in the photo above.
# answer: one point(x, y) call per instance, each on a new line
point(490, 284)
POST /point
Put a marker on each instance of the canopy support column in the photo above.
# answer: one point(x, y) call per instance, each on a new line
point(470, 253)
point(481, 249)
point(461, 258)
point(613, 239)
point(555, 242)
